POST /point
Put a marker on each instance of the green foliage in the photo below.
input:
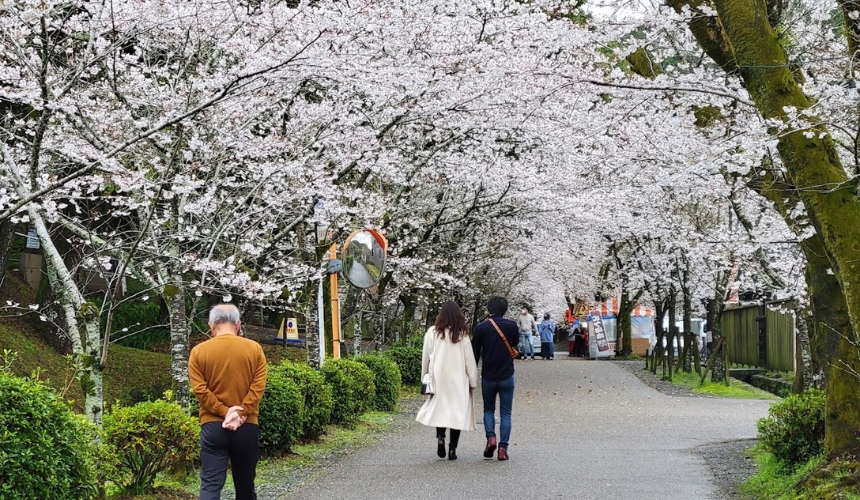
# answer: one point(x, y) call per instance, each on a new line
point(707, 115)
point(772, 481)
point(149, 438)
point(281, 413)
point(386, 378)
point(46, 451)
point(318, 399)
point(408, 359)
point(352, 387)
point(794, 429)
point(136, 324)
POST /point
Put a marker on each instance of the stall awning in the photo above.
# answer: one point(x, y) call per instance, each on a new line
point(610, 308)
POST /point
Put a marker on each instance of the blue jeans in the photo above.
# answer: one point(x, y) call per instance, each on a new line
point(526, 345)
point(505, 390)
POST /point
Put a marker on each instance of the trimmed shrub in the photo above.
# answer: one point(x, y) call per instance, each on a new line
point(386, 378)
point(352, 387)
point(46, 450)
point(281, 413)
point(318, 399)
point(149, 438)
point(794, 429)
point(408, 359)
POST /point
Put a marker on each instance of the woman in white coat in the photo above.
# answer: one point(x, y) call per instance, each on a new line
point(450, 361)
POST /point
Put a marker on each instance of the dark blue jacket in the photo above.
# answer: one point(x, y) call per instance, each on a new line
point(489, 347)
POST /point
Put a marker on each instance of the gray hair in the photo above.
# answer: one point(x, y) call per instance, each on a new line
point(224, 313)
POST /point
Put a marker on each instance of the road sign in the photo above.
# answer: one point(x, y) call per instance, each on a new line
point(292, 329)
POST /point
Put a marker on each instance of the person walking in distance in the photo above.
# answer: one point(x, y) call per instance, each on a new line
point(547, 337)
point(527, 326)
point(228, 376)
point(448, 358)
point(492, 341)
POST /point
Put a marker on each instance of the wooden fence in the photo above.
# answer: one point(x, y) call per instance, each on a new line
point(761, 335)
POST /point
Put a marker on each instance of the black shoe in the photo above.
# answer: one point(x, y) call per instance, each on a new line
point(440, 447)
point(452, 453)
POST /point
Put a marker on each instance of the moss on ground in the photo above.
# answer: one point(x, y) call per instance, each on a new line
point(814, 480)
point(737, 389)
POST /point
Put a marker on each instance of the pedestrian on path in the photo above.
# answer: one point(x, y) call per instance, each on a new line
point(228, 376)
point(492, 341)
point(448, 358)
point(571, 341)
point(527, 326)
point(547, 337)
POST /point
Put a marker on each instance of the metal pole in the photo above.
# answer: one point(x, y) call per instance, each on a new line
point(321, 321)
point(335, 306)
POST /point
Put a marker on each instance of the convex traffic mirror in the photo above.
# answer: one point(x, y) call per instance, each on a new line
point(363, 255)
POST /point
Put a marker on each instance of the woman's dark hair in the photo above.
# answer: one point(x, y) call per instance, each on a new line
point(451, 317)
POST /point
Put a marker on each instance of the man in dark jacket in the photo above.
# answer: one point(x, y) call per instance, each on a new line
point(497, 372)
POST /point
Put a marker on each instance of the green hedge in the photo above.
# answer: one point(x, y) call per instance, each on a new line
point(386, 378)
point(317, 395)
point(46, 451)
point(149, 438)
point(794, 429)
point(408, 359)
point(352, 386)
point(281, 413)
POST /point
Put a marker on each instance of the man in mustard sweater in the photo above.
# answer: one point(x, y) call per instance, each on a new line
point(228, 375)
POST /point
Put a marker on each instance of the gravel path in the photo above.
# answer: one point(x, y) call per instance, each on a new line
point(588, 430)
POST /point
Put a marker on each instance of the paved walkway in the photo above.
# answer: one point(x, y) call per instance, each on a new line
point(584, 430)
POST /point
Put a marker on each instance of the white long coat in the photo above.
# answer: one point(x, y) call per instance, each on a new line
point(455, 375)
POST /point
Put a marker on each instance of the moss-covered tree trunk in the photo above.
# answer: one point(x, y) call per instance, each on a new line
point(810, 159)
point(834, 350)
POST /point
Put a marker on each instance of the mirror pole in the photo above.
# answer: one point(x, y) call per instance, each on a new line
point(335, 306)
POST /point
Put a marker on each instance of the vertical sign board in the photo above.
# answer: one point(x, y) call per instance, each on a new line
point(292, 329)
point(599, 333)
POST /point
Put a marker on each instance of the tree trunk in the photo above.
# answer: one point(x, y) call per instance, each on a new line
point(312, 333)
point(357, 327)
point(687, 311)
point(834, 349)
point(625, 308)
point(670, 339)
point(718, 368)
point(809, 162)
point(803, 378)
point(659, 314)
point(86, 348)
point(7, 236)
point(174, 298)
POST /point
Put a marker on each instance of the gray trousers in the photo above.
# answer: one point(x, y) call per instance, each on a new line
point(218, 445)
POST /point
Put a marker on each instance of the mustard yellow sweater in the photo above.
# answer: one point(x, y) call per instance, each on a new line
point(226, 371)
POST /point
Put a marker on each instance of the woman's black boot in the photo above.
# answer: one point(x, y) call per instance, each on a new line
point(440, 447)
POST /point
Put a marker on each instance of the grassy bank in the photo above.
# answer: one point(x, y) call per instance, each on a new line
point(737, 389)
point(130, 375)
point(814, 480)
